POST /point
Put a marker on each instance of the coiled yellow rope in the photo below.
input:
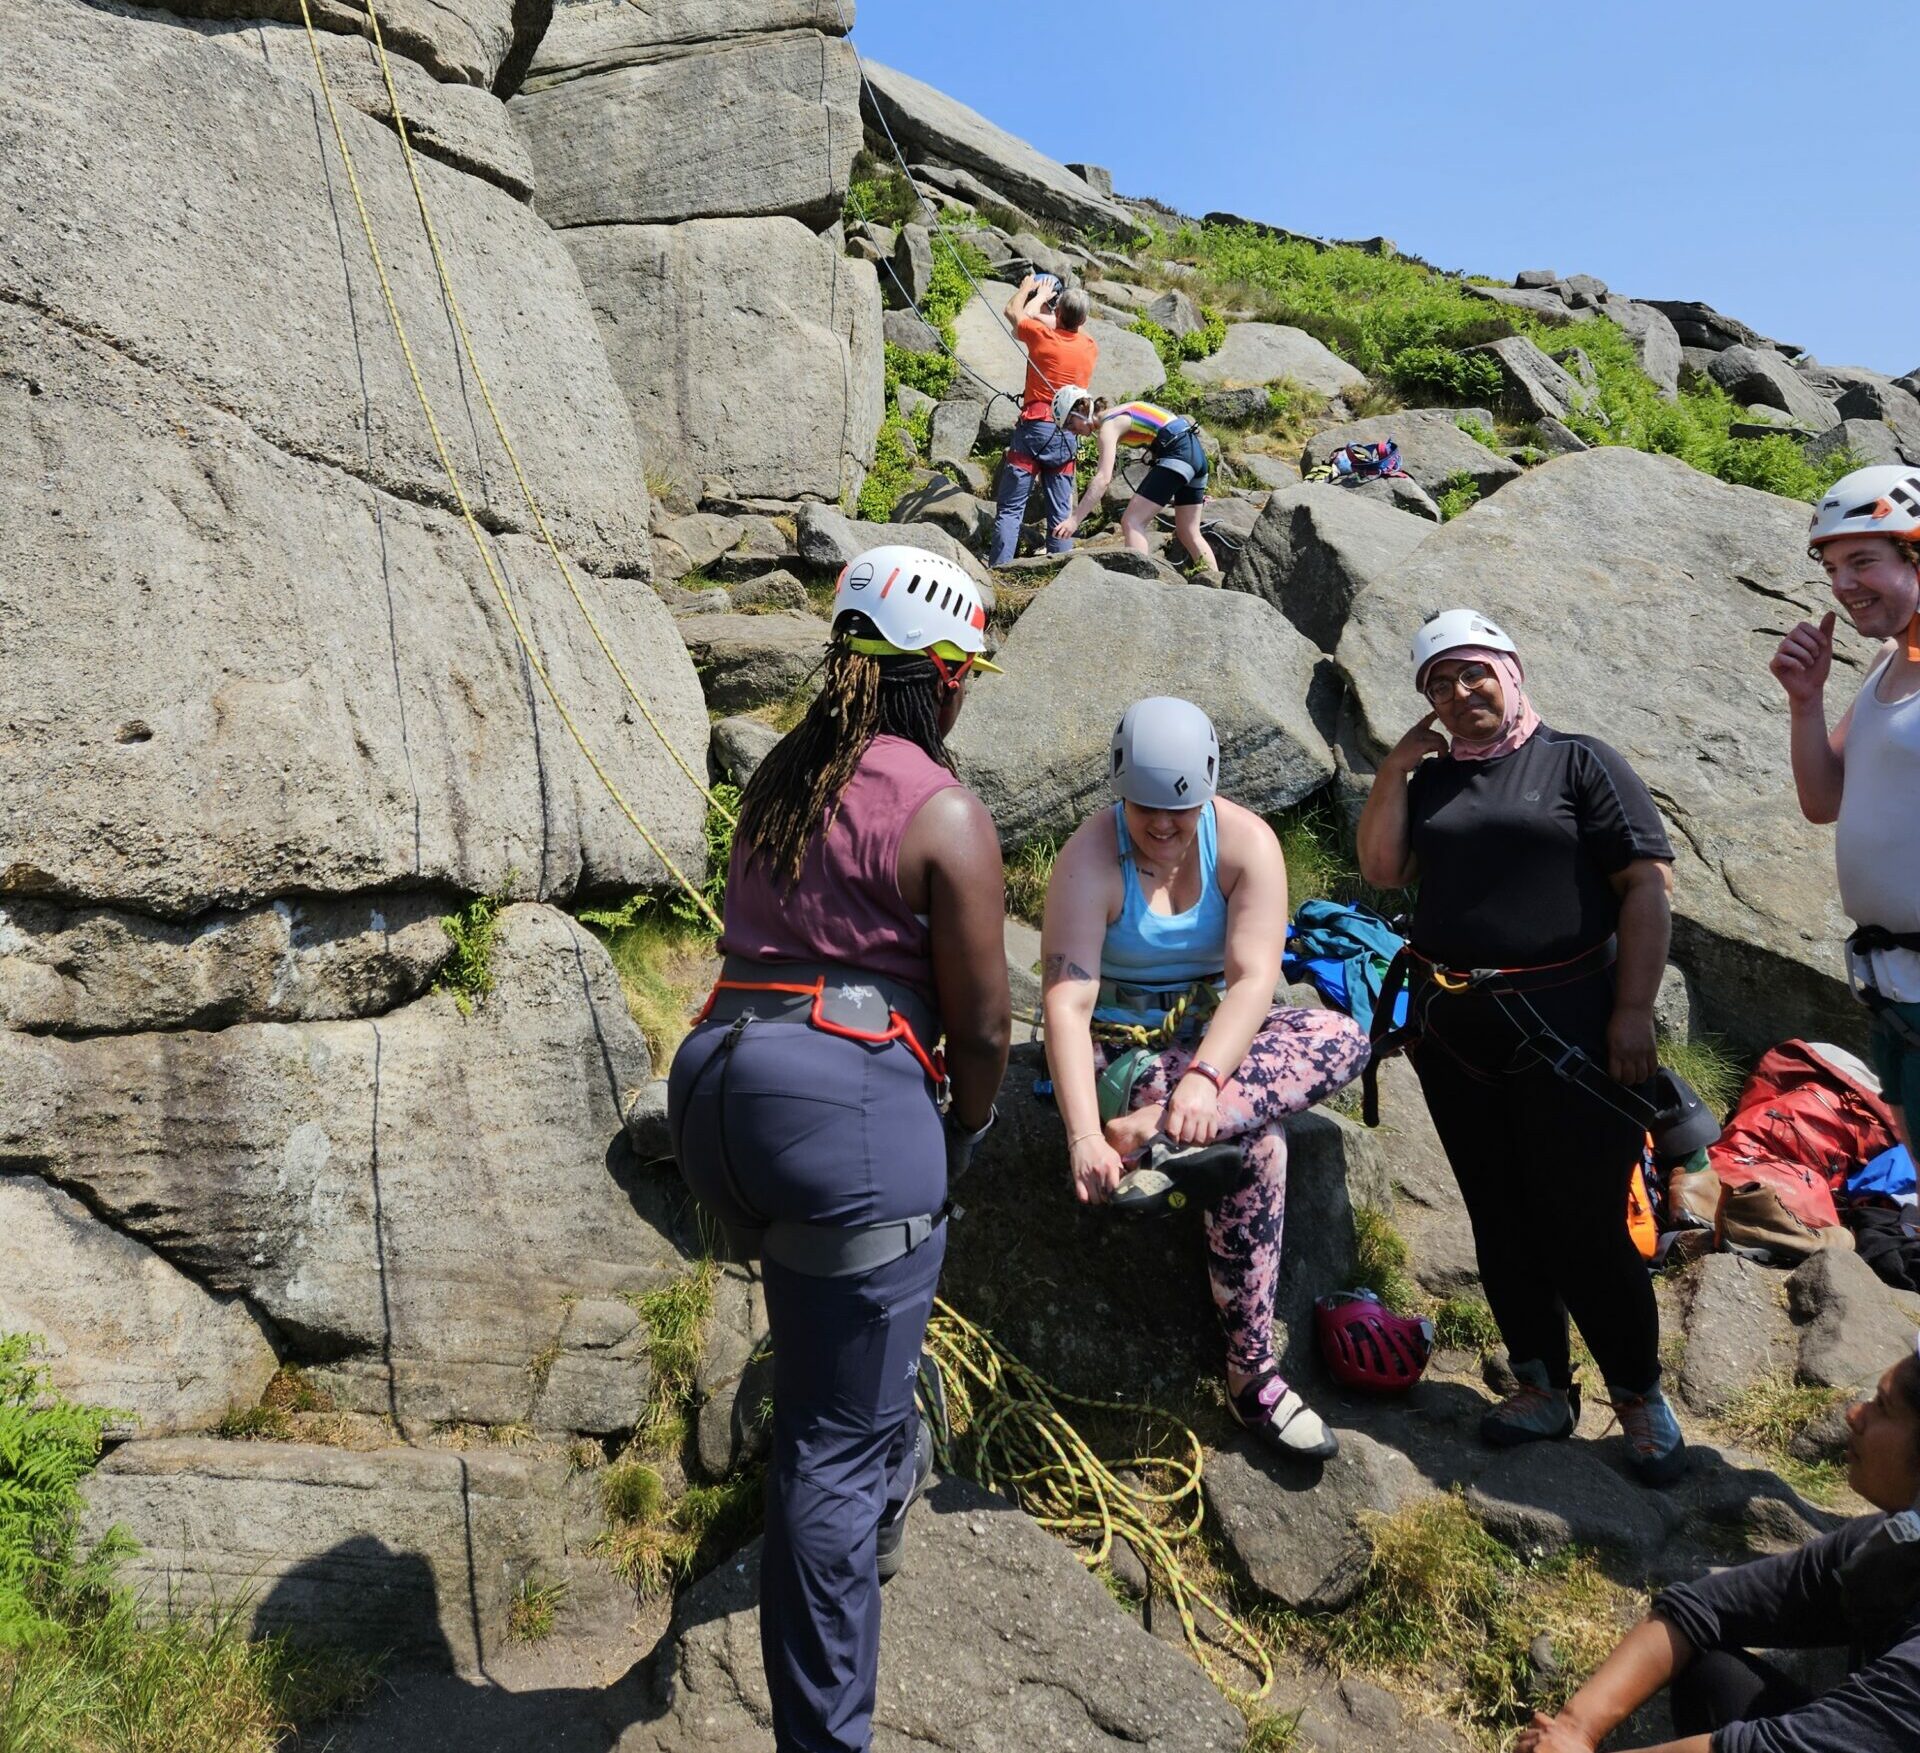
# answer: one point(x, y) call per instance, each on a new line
point(1202, 997)
point(453, 477)
point(1008, 1432)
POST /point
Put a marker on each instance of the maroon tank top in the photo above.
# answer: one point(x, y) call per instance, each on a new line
point(847, 906)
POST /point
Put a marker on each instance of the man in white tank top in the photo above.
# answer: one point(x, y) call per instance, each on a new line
point(1865, 773)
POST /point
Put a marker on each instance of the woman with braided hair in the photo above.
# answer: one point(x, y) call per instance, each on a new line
point(1166, 917)
point(865, 915)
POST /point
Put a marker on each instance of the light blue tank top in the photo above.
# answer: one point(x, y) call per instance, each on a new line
point(1151, 958)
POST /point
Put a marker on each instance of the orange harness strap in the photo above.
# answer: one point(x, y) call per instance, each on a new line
point(898, 1028)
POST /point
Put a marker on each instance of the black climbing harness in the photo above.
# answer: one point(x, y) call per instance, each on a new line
point(1862, 942)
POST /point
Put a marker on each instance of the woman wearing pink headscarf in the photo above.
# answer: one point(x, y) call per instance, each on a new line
point(1545, 875)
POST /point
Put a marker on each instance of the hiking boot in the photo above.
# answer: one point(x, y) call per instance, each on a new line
point(1282, 1420)
point(890, 1544)
point(1535, 1412)
point(1169, 1176)
point(1654, 1444)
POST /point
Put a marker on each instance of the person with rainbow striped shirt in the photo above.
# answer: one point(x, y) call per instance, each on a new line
point(1176, 473)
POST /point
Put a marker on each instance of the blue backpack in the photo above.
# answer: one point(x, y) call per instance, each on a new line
point(1343, 952)
point(1887, 1176)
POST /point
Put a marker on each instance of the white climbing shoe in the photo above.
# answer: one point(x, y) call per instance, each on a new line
point(1282, 1420)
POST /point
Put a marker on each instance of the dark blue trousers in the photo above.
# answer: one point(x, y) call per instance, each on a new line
point(793, 1123)
point(1049, 451)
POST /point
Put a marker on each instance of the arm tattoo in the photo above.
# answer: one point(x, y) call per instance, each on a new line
point(1060, 968)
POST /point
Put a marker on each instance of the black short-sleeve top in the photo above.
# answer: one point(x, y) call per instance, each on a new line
point(1515, 854)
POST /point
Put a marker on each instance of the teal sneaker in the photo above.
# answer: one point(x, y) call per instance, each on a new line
point(1654, 1444)
point(1535, 1412)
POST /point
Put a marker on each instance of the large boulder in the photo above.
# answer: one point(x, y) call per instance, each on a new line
point(753, 660)
point(748, 349)
point(1256, 353)
point(829, 539)
point(1035, 744)
point(1433, 449)
point(1655, 340)
point(122, 1328)
point(233, 674)
point(219, 250)
point(1533, 386)
point(1700, 325)
point(353, 1180)
point(1315, 547)
point(413, 1553)
point(994, 1636)
point(930, 124)
point(1737, 1332)
point(466, 41)
point(1852, 1326)
point(1758, 375)
point(1647, 598)
point(584, 39)
point(742, 127)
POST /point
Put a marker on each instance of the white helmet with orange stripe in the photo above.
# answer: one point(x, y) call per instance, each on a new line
point(896, 601)
point(1880, 501)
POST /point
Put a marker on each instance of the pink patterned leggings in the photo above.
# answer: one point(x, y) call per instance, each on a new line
point(1298, 1058)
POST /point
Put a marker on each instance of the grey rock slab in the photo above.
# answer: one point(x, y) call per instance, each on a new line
point(1655, 340)
point(1533, 384)
point(585, 39)
point(460, 125)
point(1030, 248)
point(1861, 394)
point(1433, 449)
point(1737, 1332)
point(969, 195)
point(1139, 299)
point(1096, 176)
point(1614, 557)
point(1700, 325)
point(1035, 744)
point(945, 505)
point(740, 745)
point(1235, 406)
point(601, 1382)
point(702, 536)
point(1128, 365)
point(993, 1636)
point(354, 1180)
point(910, 401)
point(461, 41)
point(1548, 1496)
point(829, 539)
point(1852, 1325)
point(1543, 302)
point(1426, 1203)
point(953, 432)
point(901, 328)
point(1400, 493)
point(1861, 441)
point(233, 674)
point(930, 124)
point(1759, 375)
point(97, 970)
point(221, 251)
point(1315, 547)
point(744, 128)
point(1584, 292)
point(912, 276)
point(120, 1327)
point(771, 590)
point(1271, 472)
point(1295, 1528)
point(746, 348)
point(1732, 1489)
point(1535, 280)
point(417, 1552)
point(1257, 353)
point(1174, 311)
point(1023, 967)
point(746, 661)
point(1674, 1004)
point(765, 544)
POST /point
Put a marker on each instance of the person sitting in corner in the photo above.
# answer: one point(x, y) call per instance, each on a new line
point(1050, 322)
point(1859, 1585)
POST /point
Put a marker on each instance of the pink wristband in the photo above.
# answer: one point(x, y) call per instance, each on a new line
point(1210, 1073)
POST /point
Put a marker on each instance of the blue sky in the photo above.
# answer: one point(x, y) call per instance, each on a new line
point(1762, 157)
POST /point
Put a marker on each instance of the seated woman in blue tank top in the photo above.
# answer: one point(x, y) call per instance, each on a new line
point(1169, 913)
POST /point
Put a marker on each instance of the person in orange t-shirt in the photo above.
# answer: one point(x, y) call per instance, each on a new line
point(1051, 324)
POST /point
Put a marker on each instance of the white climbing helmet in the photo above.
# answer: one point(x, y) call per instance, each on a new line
point(897, 601)
point(1881, 501)
point(1166, 755)
point(1066, 399)
point(1450, 630)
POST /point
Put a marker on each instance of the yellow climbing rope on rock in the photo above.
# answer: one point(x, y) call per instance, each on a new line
point(1007, 1431)
point(1200, 999)
point(453, 476)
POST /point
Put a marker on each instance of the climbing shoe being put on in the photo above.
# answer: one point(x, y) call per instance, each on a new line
point(1535, 1412)
point(1654, 1444)
point(890, 1544)
point(1282, 1420)
point(1169, 1176)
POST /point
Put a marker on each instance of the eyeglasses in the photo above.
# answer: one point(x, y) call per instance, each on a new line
point(1468, 676)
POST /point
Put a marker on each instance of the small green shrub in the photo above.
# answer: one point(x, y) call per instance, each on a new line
point(1443, 374)
point(891, 475)
point(878, 193)
point(1480, 434)
point(468, 970)
point(1163, 340)
point(1459, 492)
point(1210, 337)
point(531, 1613)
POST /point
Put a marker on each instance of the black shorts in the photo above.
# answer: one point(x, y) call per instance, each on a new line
point(1179, 472)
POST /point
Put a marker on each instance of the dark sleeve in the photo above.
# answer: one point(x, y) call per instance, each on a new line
point(1618, 820)
point(1789, 1601)
point(1877, 1710)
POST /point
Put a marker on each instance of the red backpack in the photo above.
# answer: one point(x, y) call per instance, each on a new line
point(1805, 1120)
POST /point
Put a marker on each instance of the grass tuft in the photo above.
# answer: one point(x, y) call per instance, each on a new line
point(532, 1612)
point(1769, 1415)
point(1321, 864)
point(1381, 1259)
point(1707, 1063)
point(1465, 1323)
point(1028, 873)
